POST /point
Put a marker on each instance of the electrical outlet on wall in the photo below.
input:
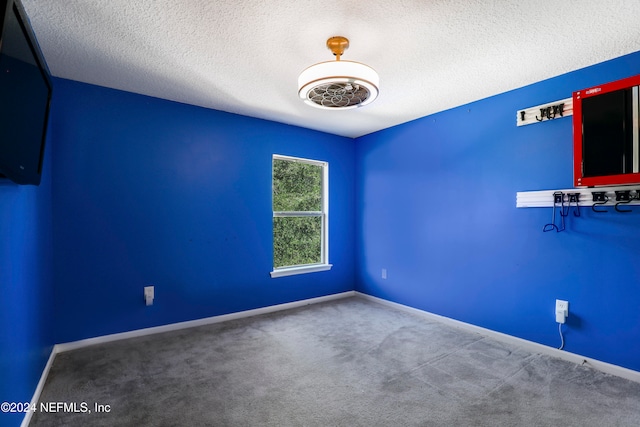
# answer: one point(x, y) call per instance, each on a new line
point(384, 273)
point(562, 310)
point(149, 295)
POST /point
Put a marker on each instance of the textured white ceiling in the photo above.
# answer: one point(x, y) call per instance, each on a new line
point(244, 56)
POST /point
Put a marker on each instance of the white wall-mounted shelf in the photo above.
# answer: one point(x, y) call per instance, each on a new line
point(545, 198)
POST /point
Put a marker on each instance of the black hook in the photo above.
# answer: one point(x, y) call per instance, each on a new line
point(543, 112)
point(522, 116)
point(558, 199)
point(622, 197)
point(574, 198)
point(558, 109)
point(599, 198)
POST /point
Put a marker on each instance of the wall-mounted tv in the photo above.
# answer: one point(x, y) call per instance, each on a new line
point(606, 134)
point(25, 95)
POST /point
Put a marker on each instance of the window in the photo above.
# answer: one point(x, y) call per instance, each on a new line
point(300, 216)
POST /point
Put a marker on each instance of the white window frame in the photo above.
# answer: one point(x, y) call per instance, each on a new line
point(323, 265)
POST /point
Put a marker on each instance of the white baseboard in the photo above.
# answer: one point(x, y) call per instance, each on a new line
point(510, 339)
point(36, 394)
point(198, 322)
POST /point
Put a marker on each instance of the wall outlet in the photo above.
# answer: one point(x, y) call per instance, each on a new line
point(384, 273)
point(149, 295)
point(562, 310)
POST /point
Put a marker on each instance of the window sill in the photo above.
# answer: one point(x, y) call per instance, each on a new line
point(290, 271)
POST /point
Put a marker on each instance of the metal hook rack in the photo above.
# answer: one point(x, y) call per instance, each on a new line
point(583, 197)
point(565, 201)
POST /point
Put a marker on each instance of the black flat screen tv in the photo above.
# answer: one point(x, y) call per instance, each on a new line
point(25, 96)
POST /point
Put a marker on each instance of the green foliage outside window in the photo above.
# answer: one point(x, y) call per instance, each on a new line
point(296, 241)
point(297, 187)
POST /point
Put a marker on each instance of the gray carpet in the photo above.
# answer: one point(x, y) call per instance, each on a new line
point(349, 362)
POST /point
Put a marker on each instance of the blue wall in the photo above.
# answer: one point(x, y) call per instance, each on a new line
point(26, 291)
point(148, 191)
point(436, 208)
point(141, 191)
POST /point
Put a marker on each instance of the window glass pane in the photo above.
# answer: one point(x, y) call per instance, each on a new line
point(297, 186)
point(297, 240)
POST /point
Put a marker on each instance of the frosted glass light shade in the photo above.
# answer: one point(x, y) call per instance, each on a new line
point(338, 85)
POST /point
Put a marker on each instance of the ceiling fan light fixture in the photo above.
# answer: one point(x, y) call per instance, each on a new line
point(338, 85)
